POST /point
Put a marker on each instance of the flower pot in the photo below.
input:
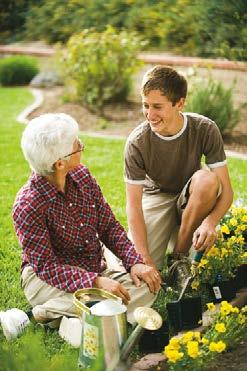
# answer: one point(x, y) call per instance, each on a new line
point(154, 341)
point(223, 290)
point(184, 314)
point(241, 277)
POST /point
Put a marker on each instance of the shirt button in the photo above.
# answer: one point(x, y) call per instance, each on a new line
point(86, 241)
point(97, 235)
point(93, 205)
point(70, 204)
point(81, 224)
point(63, 226)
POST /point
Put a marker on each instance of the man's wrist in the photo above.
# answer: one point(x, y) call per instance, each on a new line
point(211, 220)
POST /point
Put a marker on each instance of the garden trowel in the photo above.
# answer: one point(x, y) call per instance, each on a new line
point(196, 260)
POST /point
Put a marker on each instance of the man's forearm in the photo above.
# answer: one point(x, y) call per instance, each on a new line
point(138, 231)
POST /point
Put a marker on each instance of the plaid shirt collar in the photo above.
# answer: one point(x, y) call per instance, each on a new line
point(49, 190)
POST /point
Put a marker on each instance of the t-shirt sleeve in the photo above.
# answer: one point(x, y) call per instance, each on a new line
point(134, 169)
point(213, 147)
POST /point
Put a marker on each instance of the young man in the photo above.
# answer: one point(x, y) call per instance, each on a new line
point(165, 183)
point(61, 220)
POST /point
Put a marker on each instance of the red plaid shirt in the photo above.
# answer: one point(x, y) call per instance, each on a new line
point(61, 234)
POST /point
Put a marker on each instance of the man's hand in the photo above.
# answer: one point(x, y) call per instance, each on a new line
point(147, 274)
point(204, 236)
point(112, 286)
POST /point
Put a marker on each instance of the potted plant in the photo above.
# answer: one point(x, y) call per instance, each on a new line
point(194, 351)
point(218, 268)
point(234, 223)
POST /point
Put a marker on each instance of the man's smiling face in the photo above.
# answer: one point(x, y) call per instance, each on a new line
point(160, 112)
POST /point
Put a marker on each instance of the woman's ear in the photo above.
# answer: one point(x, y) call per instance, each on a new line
point(59, 165)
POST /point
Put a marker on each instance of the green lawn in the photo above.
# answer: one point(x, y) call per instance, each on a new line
point(105, 160)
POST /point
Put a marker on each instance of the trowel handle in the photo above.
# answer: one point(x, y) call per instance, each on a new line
point(197, 257)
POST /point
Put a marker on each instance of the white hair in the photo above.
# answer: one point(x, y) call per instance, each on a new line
point(48, 138)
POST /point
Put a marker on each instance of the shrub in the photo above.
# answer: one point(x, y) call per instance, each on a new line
point(17, 70)
point(210, 98)
point(100, 65)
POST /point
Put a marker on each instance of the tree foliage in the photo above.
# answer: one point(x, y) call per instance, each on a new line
point(192, 27)
point(13, 14)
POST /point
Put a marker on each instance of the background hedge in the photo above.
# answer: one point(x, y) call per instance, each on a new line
point(192, 27)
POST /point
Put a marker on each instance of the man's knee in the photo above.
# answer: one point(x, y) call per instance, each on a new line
point(205, 184)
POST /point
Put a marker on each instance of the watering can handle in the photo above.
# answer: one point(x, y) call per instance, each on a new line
point(91, 291)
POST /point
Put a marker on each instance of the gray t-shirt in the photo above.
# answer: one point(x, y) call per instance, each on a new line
point(165, 164)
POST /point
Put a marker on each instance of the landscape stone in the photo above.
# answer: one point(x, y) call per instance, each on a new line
point(46, 79)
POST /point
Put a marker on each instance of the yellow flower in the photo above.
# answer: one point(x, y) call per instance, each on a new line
point(220, 327)
point(240, 240)
point(244, 255)
point(188, 336)
point(195, 284)
point(241, 319)
point(235, 310)
point(219, 347)
point(232, 239)
point(225, 311)
point(197, 335)
point(238, 229)
point(173, 355)
point(192, 348)
point(244, 309)
point(213, 251)
point(202, 263)
point(174, 344)
point(224, 229)
point(224, 252)
point(233, 222)
point(244, 218)
point(211, 306)
point(225, 308)
point(205, 341)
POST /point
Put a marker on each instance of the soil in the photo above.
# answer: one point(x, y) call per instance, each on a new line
point(233, 360)
point(120, 119)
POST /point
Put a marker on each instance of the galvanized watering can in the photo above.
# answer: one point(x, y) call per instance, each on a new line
point(104, 343)
point(104, 327)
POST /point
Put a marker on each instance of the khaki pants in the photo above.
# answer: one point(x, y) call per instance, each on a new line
point(50, 303)
point(162, 214)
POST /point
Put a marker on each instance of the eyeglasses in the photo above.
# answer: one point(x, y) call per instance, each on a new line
point(81, 148)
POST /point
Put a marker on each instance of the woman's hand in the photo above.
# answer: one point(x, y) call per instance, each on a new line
point(147, 274)
point(112, 286)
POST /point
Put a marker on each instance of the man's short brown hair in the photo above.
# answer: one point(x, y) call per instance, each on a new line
point(172, 84)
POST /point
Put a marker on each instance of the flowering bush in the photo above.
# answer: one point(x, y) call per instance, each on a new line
point(221, 261)
point(194, 351)
point(234, 223)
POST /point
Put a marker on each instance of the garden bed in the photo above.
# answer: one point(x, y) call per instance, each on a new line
point(120, 119)
point(233, 359)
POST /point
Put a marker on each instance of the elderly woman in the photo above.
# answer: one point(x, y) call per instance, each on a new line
point(62, 221)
